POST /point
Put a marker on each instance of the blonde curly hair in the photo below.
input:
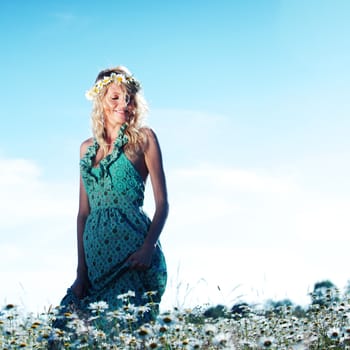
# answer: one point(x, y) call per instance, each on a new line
point(131, 88)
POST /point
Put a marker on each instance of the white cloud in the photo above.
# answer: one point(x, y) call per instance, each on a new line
point(239, 180)
point(254, 229)
point(324, 218)
point(38, 234)
point(260, 232)
point(17, 172)
point(27, 198)
point(189, 136)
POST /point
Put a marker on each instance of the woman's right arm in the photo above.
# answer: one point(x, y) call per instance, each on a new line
point(83, 213)
point(81, 284)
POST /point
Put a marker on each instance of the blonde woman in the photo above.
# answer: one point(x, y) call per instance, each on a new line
point(118, 244)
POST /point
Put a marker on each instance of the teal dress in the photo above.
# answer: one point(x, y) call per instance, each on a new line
point(115, 228)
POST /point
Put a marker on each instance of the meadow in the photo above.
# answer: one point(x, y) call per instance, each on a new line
point(324, 324)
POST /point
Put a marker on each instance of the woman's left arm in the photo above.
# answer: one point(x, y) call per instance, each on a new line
point(153, 159)
point(154, 163)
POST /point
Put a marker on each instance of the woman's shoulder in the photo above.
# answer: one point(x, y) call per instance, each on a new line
point(148, 133)
point(150, 137)
point(85, 145)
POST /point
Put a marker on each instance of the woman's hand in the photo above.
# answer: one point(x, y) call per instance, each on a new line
point(80, 287)
point(142, 258)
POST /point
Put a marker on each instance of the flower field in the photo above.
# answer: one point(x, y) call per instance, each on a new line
point(323, 326)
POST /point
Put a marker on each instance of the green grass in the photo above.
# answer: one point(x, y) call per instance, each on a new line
point(323, 326)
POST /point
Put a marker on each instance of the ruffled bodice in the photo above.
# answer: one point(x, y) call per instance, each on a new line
point(104, 190)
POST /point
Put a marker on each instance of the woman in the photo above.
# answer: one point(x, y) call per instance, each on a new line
point(118, 247)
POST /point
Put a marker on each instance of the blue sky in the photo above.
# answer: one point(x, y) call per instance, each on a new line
point(250, 103)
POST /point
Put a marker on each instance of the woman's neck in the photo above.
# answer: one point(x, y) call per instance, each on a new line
point(111, 132)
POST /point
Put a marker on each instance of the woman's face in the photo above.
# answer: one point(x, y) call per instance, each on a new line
point(116, 104)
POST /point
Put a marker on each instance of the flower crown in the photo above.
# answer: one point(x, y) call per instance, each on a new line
point(129, 81)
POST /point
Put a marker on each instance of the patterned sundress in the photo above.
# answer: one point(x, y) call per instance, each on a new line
point(115, 228)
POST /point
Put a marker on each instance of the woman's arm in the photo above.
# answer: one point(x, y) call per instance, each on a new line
point(154, 163)
point(83, 213)
point(153, 159)
point(81, 283)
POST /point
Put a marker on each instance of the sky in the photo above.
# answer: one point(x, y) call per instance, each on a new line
point(249, 100)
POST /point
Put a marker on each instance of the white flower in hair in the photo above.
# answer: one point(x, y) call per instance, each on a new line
point(120, 78)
